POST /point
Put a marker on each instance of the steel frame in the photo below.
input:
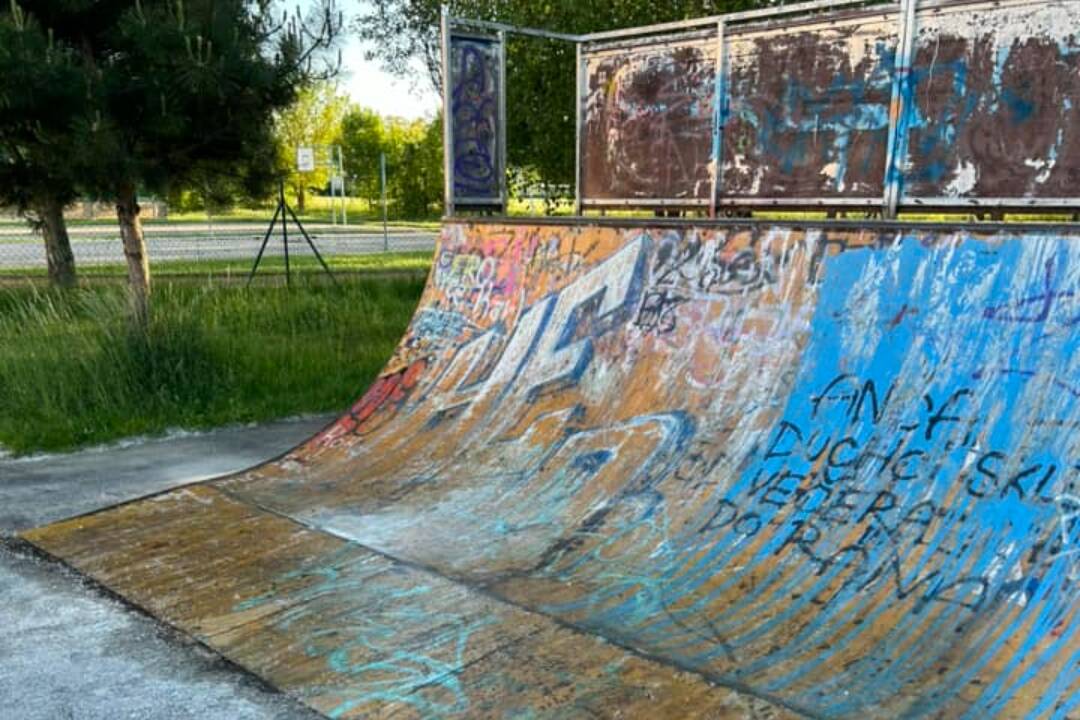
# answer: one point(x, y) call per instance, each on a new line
point(907, 201)
point(647, 202)
point(899, 227)
point(896, 149)
point(724, 27)
point(451, 199)
point(746, 201)
point(729, 18)
point(719, 118)
point(579, 118)
point(504, 28)
point(720, 27)
point(448, 114)
point(500, 142)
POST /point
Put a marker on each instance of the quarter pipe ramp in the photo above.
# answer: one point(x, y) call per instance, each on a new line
point(666, 470)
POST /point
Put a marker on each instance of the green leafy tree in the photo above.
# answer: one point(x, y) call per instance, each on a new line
point(540, 73)
point(415, 172)
point(41, 97)
point(179, 90)
point(313, 119)
point(363, 140)
point(413, 150)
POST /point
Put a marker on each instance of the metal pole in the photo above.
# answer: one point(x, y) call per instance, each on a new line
point(265, 240)
point(285, 235)
point(504, 192)
point(896, 153)
point(579, 113)
point(329, 165)
point(382, 175)
point(719, 121)
point(310, 242)
point(448, 116)
point(728, 18)
point(341, 174)
point(526, 31)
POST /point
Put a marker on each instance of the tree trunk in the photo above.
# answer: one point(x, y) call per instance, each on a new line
point(58, 253)
point(131, 233)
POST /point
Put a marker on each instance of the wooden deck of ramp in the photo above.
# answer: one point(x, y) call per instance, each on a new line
point(666, 470)
point(355, 634)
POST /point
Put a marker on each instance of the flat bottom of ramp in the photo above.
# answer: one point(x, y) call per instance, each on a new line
point(353, 633)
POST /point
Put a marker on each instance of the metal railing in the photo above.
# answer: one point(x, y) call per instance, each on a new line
point(908, 122)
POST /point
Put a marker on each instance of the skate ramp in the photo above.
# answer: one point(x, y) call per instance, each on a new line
point(666, 469)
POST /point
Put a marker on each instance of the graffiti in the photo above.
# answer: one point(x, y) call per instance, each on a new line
point(716, 267)
point(648, 123)
point(657, 312)
point(472, 285)
point(838, 466)
point(475, 111)
point(440, 324)
point(994, 103)
point(1069, 517)
point(387, 391)
point(814, 129)
point(552, 343)
point(695, 267)
point(841, 425)
point(1037, 308)
point(842, 473)
point(364, 646)
point(988, 108)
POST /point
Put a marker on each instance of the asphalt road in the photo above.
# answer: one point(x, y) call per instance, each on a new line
point(94, 247)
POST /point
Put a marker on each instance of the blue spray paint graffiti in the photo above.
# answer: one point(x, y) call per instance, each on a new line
point(475, 113)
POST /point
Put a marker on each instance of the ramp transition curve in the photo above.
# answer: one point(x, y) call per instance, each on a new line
point(666, 470)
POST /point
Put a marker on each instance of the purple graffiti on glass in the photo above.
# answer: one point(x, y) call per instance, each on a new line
point(475, 116)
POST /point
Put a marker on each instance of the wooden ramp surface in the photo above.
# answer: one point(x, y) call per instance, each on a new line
point(665, 470)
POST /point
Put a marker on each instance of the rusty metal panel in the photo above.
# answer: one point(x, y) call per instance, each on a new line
point(647, 131)
point(475, 88)
point(809, 110)
point(994, 103)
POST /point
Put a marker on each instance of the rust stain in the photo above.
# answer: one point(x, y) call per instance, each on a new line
point(648, 123)
point(810, 111)
point(997, 103)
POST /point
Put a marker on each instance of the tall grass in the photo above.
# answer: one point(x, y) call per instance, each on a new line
point(74, 372)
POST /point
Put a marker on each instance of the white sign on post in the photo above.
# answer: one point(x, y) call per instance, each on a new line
point(337, 184)
point(305, 159)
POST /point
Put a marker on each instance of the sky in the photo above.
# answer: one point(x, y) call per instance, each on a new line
point(369, 86)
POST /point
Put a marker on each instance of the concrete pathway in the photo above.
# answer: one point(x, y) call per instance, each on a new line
point(38, 490)
point(67, 649)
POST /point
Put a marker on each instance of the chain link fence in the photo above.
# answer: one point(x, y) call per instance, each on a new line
point(197, 246)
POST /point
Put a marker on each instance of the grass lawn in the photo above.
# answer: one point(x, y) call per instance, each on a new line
point(73, 372)
point(393, 263)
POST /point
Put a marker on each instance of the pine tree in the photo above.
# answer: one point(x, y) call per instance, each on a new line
point(42, 97)
point(178, 91)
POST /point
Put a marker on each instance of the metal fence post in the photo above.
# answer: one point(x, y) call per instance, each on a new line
point(341, 174)
point(502, 164)
point(448, 115)
point(896, 153)
point(719, 121)
point(382, 176)
point(579, 118)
